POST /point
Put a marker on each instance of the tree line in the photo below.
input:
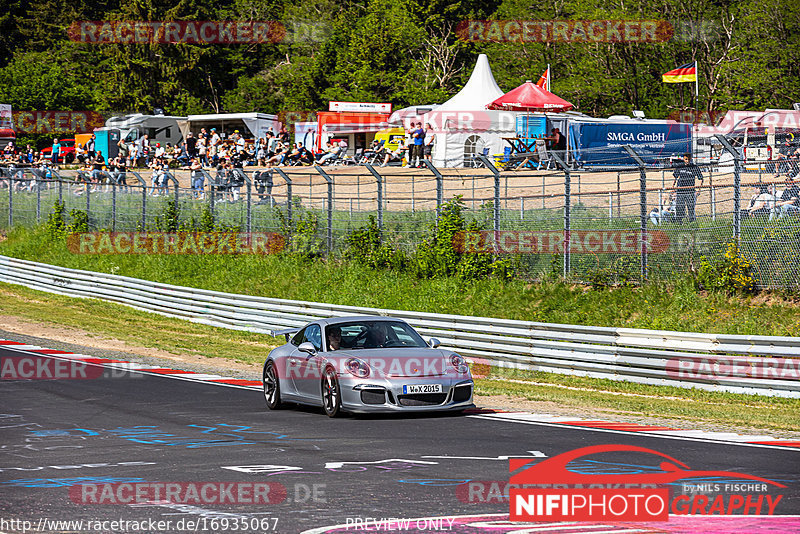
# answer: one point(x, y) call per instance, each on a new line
point(401, 51)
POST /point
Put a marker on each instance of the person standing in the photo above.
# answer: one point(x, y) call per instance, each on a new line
point(56, 149)
point(417, 147)
point(430, 138)
point(686, 176)
point(90, 147)
point(191, 145)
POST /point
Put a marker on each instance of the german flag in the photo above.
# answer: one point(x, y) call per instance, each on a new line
point(685, 73)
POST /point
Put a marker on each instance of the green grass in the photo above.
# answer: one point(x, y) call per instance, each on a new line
point(612, 399)
point(135, 327)
point(653, 306)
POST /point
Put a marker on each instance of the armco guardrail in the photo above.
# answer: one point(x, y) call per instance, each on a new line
point(764, 365)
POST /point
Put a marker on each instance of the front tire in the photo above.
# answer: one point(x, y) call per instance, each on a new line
point(272, 387)
point(331, 393)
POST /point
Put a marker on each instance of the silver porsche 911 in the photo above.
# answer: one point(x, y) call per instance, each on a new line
point(365, 364)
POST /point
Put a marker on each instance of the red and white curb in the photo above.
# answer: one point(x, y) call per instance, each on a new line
point(636, 428)
point(134, 367)
point(482, 413)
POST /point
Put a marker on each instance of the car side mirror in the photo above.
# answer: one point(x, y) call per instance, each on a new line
point(307, 347)
point(433, 342)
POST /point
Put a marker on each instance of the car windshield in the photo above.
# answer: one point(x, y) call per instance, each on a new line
point(378, 334)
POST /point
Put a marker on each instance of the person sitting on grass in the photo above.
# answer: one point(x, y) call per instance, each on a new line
point(789, 203)
point(761, 203)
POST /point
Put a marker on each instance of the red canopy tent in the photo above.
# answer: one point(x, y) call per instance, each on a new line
point(530, 97)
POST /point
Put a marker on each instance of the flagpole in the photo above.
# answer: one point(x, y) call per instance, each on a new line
point(549, 75)
point(696, 89)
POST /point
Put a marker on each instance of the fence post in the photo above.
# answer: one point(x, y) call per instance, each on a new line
point(175, 183)
point(114, 206)
point(488, 164)
point(38, 198)
point(567, 213)
point(11, 199)
point(439, 186)
point(249, 223)
point(330, 205)
point(642, 206)
point(611, 206)
point(544, 192)
point(288, 195)
point(412, 192)
point(378, 179)
point(248, 196)
point(713, 204)
point(60, 193)
point(144, 194)
point(737, 169)
point(88, 202)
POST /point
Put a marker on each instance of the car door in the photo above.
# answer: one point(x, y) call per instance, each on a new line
point(308, 376)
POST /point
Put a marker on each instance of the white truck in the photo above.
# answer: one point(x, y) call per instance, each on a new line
point(159, 128)
point(250, 125)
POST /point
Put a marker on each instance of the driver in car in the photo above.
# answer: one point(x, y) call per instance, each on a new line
point(334, 338)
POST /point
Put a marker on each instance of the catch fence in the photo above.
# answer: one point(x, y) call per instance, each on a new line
point(612, 223)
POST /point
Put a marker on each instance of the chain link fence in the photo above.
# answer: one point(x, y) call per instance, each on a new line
point(626, 223)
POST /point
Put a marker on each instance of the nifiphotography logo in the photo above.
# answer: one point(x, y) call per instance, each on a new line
point(548, 491)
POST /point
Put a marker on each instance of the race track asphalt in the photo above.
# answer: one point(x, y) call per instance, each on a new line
point(65, 443)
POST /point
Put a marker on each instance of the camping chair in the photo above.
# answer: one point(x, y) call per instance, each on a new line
point(376, 156)
point(341, 157)
point(501, 160)
point(544, 157)
point(476, 162)
point(356, 159)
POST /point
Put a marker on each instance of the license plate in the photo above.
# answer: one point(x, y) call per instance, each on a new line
point(422, 388)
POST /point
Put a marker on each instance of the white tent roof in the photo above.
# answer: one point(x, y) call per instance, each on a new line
point(401, 116)
point(480, 90)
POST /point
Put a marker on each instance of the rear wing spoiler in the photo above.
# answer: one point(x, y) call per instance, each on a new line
point(286, 332)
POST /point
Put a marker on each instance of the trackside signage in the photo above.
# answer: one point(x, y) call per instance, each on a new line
point(548, 491)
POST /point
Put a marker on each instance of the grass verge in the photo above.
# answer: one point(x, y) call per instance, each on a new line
point(592, 396)
point(678, 307)
point(106, 319)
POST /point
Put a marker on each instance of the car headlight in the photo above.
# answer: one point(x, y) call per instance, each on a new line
point(357, 368)
point(459, 363)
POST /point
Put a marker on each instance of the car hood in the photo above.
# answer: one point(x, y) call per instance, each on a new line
point(399, 362)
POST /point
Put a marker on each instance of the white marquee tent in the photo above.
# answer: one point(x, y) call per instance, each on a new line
point(464, 127)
